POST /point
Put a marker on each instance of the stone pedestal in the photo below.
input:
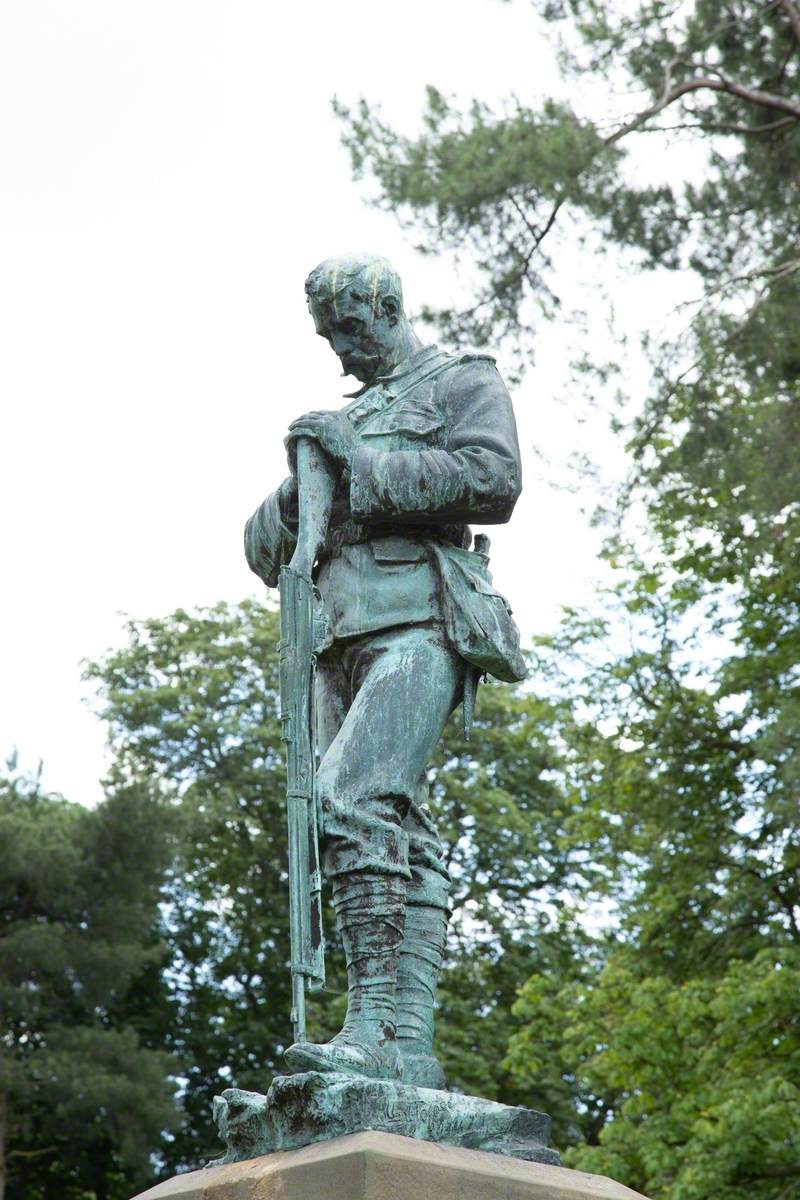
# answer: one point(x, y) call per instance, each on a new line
point(384, 1166)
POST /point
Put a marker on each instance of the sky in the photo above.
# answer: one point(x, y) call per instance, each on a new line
point(169, 173)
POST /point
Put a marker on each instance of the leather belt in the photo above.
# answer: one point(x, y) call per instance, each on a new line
point(354, 533)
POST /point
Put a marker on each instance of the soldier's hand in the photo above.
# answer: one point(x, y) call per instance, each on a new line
point(331, 429)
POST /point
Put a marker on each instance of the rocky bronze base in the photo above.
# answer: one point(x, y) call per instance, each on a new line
point(382, 1166)
point(315, 1107)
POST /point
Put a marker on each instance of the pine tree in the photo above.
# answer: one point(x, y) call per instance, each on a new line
point(85, 1088)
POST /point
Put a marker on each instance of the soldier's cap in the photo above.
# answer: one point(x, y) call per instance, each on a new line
point(366, 277)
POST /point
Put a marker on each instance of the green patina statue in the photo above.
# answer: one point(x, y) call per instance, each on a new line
point(369, 538)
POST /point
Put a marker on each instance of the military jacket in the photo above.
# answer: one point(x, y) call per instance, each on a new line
point(437, 448)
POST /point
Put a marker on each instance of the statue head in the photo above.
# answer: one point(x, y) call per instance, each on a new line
point(356, 301)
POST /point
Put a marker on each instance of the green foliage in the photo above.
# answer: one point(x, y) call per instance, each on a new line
point(673, 1066)
point(630, 846)
point(637, 787)
point(688, 802)
point(492, 182)
point(703, 1077)
point(192, 704)
point(500, 806)
point(498, 184)
point(681, 786)
point(84, 1085)
point(479, 1018)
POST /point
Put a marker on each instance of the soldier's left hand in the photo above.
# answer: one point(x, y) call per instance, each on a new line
point(331, 429)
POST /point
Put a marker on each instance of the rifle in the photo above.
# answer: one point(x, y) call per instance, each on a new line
point(299, 602)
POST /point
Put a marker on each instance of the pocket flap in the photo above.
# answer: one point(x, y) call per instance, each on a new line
point(415, 417)
point(483, 586)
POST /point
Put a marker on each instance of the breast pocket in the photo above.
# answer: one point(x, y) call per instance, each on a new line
point(407, 426)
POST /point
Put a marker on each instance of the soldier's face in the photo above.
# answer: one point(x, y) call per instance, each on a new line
point(362, 339)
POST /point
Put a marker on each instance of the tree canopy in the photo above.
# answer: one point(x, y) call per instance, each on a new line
point(86, 1089)
point(500, 185)
point(678, 693)
point(192, 702)
point(624, 834)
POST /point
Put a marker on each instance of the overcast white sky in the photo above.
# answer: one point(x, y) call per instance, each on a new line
point(169, 172)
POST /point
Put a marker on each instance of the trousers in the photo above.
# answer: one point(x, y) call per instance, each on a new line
point(383, 700)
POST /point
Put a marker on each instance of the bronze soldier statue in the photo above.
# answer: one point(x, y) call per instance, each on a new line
point(426, 445)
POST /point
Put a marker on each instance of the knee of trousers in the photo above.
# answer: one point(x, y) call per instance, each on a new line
point(361, 832)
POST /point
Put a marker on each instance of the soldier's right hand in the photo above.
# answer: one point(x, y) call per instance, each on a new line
point(331, 428)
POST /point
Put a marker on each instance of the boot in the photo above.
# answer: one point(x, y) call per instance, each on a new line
point(370, 911)
point(420, 960)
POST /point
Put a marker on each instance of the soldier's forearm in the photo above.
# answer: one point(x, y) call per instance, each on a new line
point(269, 536)
point(434, 486)
point(316, 483)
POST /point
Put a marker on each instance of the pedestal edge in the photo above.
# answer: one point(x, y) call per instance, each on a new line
point(385, 1166)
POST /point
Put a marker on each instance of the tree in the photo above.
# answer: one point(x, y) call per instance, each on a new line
point(503, 184)
point(192, 705)
point(681, 752)
point(636, 785)
point(501, 805)
point(691, 816)
point(85, 1091)
point(712, 449)
point(702, 1078)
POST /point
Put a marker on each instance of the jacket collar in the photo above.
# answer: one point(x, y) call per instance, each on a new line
point(408, 366)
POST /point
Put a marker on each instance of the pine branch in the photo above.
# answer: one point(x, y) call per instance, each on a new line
point(720, 127)
point(780, 271)
point(713, 82)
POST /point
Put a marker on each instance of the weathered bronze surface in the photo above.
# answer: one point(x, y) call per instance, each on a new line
point(390, 615)
point(315, 1107)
